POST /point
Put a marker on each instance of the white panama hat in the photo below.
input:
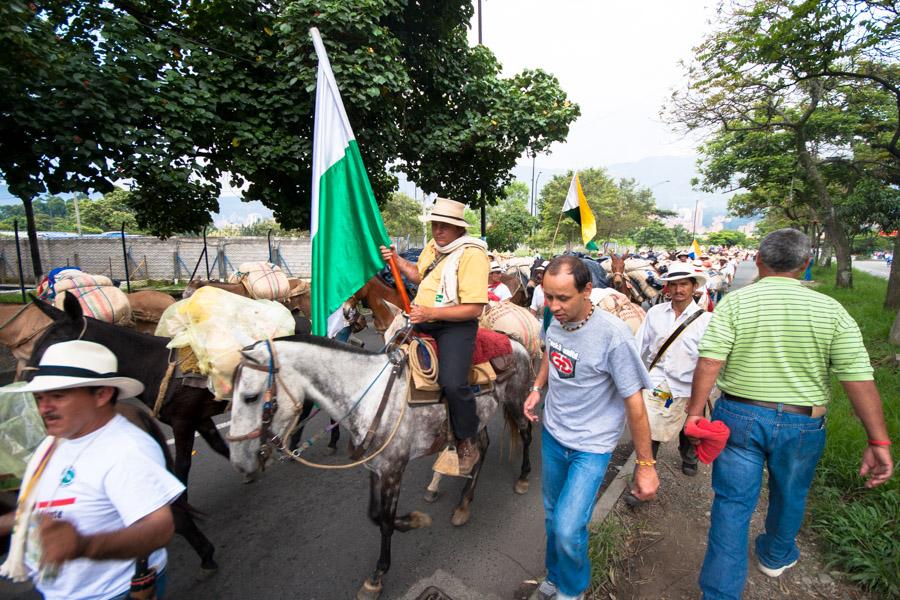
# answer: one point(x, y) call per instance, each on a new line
point(678, 272)
point(447, 211)
point(79, 363)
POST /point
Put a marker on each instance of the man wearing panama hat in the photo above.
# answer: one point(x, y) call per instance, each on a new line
point(452, 274)
point(672, 363)
point(96, 494)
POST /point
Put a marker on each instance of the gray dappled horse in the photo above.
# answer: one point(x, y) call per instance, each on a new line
point(275, 378)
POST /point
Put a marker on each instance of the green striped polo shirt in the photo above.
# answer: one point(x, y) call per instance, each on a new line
point(779, 340)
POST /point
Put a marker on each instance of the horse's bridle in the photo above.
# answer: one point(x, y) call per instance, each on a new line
point(269, 441)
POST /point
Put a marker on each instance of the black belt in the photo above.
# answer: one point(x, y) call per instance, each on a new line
point(791, 408)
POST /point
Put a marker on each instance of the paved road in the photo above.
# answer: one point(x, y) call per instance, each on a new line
point(299, 533)
point(873, 267)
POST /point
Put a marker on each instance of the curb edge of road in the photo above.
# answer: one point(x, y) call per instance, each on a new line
point(607, 500)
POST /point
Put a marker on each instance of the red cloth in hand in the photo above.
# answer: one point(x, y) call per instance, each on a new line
point(712, 435)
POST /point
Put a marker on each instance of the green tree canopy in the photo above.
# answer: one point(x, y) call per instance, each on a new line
point(726, 238)
point(401, 216)
point(174, 94)
point(509, 222)
point(654, 235)
point(619, 208)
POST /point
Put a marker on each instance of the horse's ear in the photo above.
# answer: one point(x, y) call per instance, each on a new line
point(72, 307)
point(393, 308)
point(48, 309)
point(254, 353)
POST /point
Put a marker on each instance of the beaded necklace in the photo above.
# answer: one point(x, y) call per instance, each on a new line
point(580, 324)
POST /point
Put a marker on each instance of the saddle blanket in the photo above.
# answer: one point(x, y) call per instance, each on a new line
point(488, 345)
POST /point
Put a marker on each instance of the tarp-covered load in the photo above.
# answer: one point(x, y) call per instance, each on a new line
point(516, 322)
point(617, 304)
point(263, 280)
point(216, 324)
point(21, 430)
point(98, 297)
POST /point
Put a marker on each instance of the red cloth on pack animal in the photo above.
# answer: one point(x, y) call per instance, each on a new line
point(488, 344)
point(713, 436)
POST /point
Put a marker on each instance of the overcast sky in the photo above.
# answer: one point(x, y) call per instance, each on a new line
point(617, 60)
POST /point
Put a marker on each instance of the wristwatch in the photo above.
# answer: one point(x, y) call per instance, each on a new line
point(535, 388)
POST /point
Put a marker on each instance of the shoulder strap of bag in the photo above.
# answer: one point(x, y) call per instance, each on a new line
point(433, 265)
point(674, 336)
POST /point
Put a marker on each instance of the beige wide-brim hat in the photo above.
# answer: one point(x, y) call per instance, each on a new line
point(447, 211)
point(80, 364)
point(676, 273)
point(495, 267)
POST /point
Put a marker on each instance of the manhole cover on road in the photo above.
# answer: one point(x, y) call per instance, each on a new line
point(433, 593)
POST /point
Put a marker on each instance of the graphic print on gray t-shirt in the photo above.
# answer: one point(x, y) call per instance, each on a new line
point(592, 371)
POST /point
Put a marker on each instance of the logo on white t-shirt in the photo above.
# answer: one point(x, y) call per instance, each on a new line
point(68, 476)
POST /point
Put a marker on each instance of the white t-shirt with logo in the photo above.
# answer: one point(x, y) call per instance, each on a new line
point(100, 482)
point(501, 291)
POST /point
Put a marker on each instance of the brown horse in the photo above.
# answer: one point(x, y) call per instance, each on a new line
point(22, 324)
point(620, 281)
point(147, 307)
point(20, 327)
point(298, 300)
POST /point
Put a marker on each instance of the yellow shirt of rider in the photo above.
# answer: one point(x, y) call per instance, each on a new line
point(472, 276)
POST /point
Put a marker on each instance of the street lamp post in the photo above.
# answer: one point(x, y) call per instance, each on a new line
point(536, 182)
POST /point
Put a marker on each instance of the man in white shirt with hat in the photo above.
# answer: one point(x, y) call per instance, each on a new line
point(95, 496)
point(497, 290)
point(672, 367)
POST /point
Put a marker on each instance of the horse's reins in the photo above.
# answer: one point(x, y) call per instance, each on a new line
point(270, 441)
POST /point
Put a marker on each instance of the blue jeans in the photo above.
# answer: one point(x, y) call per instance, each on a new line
point(570, 480)
point(790, 446)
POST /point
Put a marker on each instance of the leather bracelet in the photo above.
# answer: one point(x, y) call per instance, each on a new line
point(644, 463)
point(879, 442)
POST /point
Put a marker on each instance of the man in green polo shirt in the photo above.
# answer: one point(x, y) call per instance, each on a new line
point(772, 345)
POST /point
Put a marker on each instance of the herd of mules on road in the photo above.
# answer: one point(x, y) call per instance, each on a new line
point(278, 382)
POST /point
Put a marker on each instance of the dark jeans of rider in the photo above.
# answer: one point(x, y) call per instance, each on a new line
point(456, 343)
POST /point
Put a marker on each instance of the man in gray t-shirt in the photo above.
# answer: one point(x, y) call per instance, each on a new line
point(595, 377)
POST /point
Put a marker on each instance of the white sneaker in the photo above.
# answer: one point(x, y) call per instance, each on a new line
point(547, 590)
point(773, 572)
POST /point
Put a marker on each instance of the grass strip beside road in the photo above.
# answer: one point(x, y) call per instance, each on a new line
point(860, 528)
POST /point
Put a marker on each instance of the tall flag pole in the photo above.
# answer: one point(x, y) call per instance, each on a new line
point(577, 209)
point(345, 226)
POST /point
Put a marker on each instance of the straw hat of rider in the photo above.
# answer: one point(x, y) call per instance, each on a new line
point(495, 267)
point(78, 363)
point(679, 272)
point(447, 211)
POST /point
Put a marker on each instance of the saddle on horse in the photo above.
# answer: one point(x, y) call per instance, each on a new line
point(491, 360)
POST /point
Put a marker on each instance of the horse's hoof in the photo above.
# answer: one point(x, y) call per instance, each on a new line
point(431, 496)
point(208, 568)
point(419, 520)
point(369, 591)
point(460, 517)
point(521, 486)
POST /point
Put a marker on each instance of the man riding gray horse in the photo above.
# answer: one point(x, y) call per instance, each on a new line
point(452, 274)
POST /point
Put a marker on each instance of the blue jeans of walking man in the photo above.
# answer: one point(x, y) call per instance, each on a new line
point(570, 480)
point(789, 445)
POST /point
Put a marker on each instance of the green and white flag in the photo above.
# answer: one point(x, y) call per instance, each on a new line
point(346, 226)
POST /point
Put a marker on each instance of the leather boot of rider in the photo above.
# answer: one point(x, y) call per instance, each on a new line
point(469, 455)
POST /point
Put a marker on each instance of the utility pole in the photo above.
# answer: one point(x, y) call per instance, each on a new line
point(531, 203)
point(694, 232)
point(483, 209)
